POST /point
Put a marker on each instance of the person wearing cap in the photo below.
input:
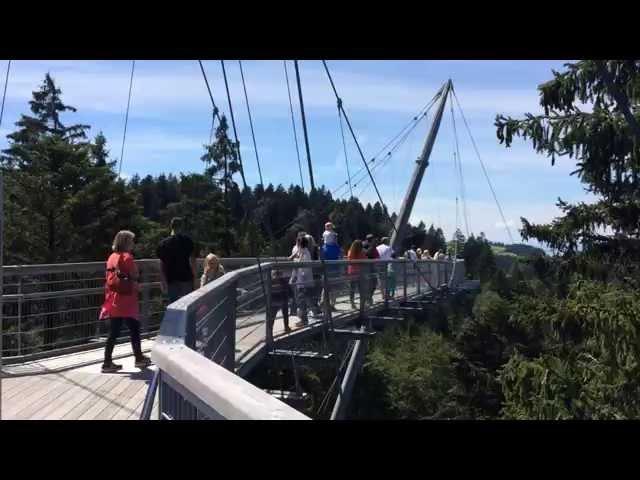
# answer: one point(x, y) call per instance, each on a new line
point(384, 250)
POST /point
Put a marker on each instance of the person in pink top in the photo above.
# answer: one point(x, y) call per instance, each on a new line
point(122, 307)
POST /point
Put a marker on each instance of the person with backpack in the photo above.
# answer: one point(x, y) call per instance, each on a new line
point(121, 300)
point(279, 300)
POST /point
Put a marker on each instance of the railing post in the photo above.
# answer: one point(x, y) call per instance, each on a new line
point(326, 303)
point(363, 289)
point(419, 275)
point(404, 279)
point(267, 302)
point(20, 316)
point(385, 283)
point(231, 326)
point(145, 299)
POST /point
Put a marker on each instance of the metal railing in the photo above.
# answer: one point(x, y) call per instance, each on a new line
point(53, 309)
point(223, 324)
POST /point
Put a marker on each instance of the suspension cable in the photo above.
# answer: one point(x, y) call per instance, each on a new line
point(486, 174)
point(457, 161)
point(4, 97)
point(344, 145)
point(423, 112)
point(253, 135)
point(396, 147)
point(213, 124)
point(233, 123)
point(293, 123)
point(126, 116)
point(346, 117)
point(392, 152)
point(360, 175)
point(4, 93)
point(216, 113)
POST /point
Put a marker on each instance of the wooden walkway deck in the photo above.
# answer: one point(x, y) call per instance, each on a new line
point(72, 387)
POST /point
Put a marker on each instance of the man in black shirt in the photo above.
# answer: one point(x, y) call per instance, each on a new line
point(177, 256)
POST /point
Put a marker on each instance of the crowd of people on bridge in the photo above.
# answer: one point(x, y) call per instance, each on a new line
point(296, 290)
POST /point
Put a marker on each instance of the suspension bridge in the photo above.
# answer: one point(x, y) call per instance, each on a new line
point(206, 345)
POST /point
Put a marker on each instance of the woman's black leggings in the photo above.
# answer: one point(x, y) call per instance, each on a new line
point(115, 325)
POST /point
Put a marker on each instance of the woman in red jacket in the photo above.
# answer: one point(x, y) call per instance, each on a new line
point(121, 300)
point(356, 252)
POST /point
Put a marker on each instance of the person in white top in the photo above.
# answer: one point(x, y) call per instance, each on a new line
point(386, 253)
point(440, 256)
point(411, 253)
point(303, 280)
point(329, 236)
point(292, 277)
point(384, 250)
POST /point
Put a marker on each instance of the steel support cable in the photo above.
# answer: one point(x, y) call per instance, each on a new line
point(216, 112)
point(344, 146)
point(253, 135)
point(455, 248)
point(414, 121)
point(391, 152)
point(126, 116)
point(4, 93)
point(325, 400)
point(4, 97)
point(233, 123)
point(423, 112)
point(213, 125)
point(484, 170)
point(375, 186)
point(457, 160)
point(293, 123)
point(361, 175)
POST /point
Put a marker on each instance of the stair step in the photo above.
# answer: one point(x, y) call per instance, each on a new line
point(385, 318)
point(285, 395)
point(300, 354)
point(354, 333)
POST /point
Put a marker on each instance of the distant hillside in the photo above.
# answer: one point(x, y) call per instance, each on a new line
point(519, 249)
point(524, 250)
point(507, 255)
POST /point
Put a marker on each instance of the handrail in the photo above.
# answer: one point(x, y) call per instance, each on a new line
point(149, 397)
point(197, 341)
point(208, 388)
point(223, 394)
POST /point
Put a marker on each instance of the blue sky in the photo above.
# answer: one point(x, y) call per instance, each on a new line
point(170, 120)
